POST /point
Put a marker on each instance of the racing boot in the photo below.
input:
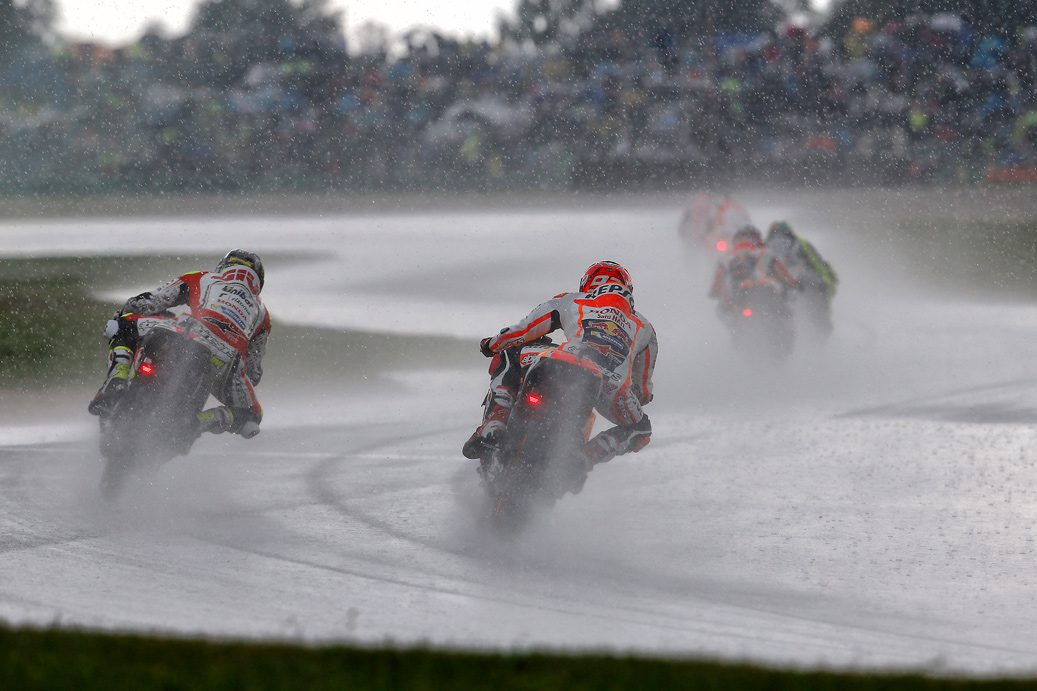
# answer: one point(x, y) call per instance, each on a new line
point(617, 441)
point(116, 382)
point(486, 437)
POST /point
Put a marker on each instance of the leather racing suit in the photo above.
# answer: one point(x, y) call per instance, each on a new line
point(816, 278)
point(602, 326)
point(220, 310)
point(711, 218)
point(748, 264)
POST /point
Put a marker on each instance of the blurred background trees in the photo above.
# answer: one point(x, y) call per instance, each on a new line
point(233, 35)
point(22, 25)
point(26, 38)
point(546, 21)
point(1000, 16)
point(265, 93)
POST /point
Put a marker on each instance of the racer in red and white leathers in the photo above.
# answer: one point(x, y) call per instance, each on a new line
point(220, 309)
point(747, 264)
point(599, 324)
point(710, 220)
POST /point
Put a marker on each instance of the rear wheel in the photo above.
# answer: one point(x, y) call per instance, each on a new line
point(120, 442)
point(155, 419)
point(815, 310)
point(768, 334)
point(116, 470)
point(519, 492)
point(545, 433)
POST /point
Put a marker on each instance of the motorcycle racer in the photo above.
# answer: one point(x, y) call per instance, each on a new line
point(815, 276)
point(710, 220)
point(599, 323)
point(220, 309)
point(748, 263)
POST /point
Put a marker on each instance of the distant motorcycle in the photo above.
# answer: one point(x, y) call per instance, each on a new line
point(154, 420)
point(814, 311)
point(709, 221)
point(761, 321)
point(540, 456)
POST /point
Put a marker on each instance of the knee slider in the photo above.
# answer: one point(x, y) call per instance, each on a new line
point(245, 422)
point(244, 419)
point(639, 435)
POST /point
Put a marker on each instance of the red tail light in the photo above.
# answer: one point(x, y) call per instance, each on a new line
point(747, 312)
point(721, 246)
point(146, 368)
point(534, 398)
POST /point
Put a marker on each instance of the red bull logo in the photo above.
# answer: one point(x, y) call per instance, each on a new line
point(608, 328)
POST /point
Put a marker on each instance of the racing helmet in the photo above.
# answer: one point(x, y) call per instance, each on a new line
point(241, 257)
point(780, 229)
point(780, 238)
point(600, 273)
point(747, 235)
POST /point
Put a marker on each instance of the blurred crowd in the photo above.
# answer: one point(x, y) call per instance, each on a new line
point(926, 98)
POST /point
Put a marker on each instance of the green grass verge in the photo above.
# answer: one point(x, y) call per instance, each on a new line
point(60, 659)
point(51, 329)
point(997, 258)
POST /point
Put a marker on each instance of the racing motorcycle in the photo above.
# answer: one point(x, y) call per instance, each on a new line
point(154, 419)
point(761, 320)
point(540, 456)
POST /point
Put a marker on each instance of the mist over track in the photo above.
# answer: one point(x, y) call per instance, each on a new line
point(871, 503)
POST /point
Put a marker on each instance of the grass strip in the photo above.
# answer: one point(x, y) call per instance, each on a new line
point(51, 329)
point(998, 258)
point(56, 658)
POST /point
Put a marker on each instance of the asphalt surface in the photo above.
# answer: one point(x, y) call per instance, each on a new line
point(870, 503)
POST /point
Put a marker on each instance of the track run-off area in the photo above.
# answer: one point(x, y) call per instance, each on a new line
point(871, 503)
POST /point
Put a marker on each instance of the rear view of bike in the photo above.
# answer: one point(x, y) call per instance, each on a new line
point(762, 326)
point(154, 420)
point(541, 455)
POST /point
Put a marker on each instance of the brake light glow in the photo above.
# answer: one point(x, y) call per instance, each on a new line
point(747, 312)
point(146, 368)
point(534, 398)
point(721, 246)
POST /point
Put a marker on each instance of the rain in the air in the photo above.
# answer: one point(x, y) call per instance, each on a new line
point(529, 343)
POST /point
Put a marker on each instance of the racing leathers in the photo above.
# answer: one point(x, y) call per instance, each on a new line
point(748, 265)
point(816, 278)
point(601, 326)
point(712, 219)
point(219, 309)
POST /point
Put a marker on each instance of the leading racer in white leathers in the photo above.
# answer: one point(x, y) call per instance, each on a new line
point(220, 309)
point(600, 324)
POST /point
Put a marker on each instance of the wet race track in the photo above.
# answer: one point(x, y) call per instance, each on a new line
point(869, 503)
